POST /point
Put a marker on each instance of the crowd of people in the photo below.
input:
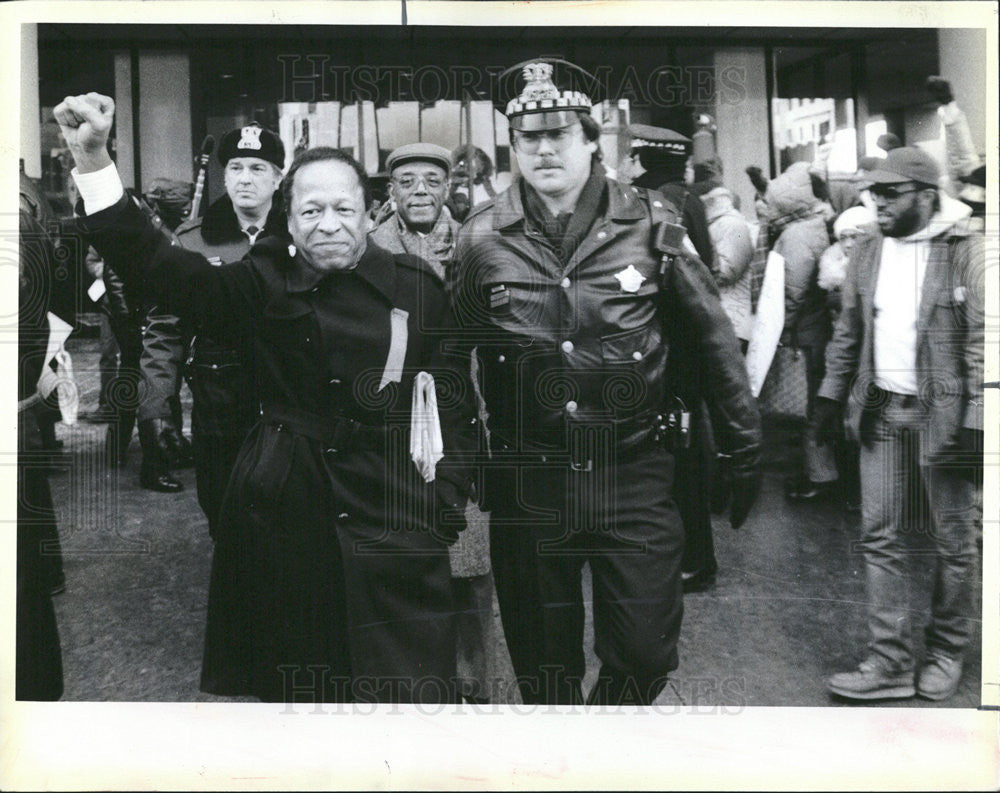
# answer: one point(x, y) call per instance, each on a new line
point(400, 407)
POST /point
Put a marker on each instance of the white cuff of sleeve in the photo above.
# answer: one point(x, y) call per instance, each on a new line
point(949, 113)
point(99, 189)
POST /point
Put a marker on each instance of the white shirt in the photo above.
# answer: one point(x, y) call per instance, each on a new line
point(897, 301)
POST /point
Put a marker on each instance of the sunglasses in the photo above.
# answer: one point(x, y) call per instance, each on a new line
point(892, 193)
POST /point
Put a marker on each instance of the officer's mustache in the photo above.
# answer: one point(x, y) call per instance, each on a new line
point(548, 163)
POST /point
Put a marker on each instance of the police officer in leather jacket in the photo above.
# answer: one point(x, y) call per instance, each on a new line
point(574, 308)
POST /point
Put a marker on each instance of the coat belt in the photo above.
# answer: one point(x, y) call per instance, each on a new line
point(336, 431)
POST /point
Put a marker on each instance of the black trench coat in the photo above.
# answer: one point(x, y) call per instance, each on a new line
point(330, 581)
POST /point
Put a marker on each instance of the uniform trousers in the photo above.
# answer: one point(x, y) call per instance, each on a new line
point(620, 517)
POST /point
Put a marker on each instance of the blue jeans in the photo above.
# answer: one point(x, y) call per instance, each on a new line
point(887, 455)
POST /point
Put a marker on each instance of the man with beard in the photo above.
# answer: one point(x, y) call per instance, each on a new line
point(574, 286)
point(907, 358)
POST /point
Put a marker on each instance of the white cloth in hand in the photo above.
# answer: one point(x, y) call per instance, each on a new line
point(426, 444)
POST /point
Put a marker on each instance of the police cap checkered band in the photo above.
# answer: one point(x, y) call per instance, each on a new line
point(647, 136)
point(540, 94)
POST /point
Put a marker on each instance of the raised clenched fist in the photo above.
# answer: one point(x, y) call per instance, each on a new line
point(85, 121)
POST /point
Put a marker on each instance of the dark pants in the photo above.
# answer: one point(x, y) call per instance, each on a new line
point(38, 657)
point(693, 486)
point(214, 457)
point(547, 521)
point(108, 361)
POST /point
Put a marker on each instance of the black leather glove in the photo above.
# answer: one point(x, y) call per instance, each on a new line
point(744, 467)
point(721, 493)
point(824, 425)
point(940, 89)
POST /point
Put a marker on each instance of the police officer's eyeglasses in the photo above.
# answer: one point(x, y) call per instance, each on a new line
point(410, 182)
point(559, 139)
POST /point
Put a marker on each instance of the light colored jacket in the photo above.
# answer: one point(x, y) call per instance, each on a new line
point(731, 239)
point(950, 332)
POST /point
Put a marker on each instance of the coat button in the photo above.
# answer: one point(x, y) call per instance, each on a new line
point(343, 516)
point(601, 235)
point(657, 204)
point(567, 346)
point(335, 381)
point(331, 450)
point(637, 355)
point(501, 358)
point(571, 406)
point(565, 283)
point(215, 366)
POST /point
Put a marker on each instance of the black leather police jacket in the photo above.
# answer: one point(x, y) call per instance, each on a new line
point(577, 354)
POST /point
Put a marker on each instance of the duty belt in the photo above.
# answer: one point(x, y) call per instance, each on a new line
point(581, 453)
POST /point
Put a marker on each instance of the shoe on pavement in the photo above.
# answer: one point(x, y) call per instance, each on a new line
point(939, 677)
point(699, 580)
point(161, 482)
point(812, 491)
point(871, 681)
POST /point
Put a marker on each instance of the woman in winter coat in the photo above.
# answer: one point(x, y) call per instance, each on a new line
point(797, 225)
point(734, 249)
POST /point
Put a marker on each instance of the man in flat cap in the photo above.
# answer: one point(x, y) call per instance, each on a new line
point(907, 359)
point(423, 226)
point(224, 404)
point(574, 286)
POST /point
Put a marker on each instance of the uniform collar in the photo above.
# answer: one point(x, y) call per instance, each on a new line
point(377, 267)
point(509, 208)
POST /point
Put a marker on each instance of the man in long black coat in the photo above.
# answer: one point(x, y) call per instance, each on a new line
point(345, 576)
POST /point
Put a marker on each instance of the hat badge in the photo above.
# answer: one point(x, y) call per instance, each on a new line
point(538, 83)
point(250, 138)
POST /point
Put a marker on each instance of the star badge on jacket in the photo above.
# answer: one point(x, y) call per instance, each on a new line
point(630, 279)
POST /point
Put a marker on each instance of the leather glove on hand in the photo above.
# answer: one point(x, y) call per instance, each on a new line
point(746, 478)
point(722, 485)
point(823, 427)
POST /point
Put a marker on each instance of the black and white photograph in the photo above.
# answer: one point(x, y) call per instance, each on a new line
point(476, 395)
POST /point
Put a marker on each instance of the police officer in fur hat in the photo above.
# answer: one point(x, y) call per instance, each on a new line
point(225, 405)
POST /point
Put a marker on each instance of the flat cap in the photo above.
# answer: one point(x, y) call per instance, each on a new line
point(253, 140)
point(647, 136)
point(421, 152)
point(905, 164)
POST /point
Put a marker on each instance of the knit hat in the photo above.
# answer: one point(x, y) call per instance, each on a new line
point(859, 218)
